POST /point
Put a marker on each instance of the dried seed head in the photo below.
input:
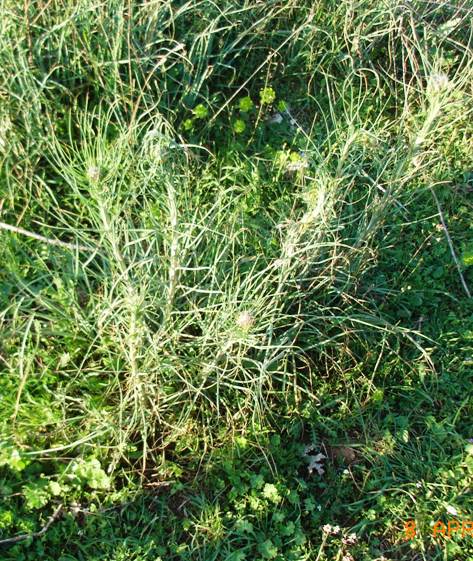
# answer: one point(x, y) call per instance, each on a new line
point(93, 174)
point(5, 126)
point(438, 82)
point(245, 320)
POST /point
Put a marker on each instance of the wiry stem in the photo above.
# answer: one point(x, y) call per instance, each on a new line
point(58, 243)
point(450, 245)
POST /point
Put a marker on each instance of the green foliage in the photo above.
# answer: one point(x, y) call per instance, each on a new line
point(200, 111)
point(267, 96)
point(239, 126)
point(91, 473)
point(467, 258)
point(12, 458)
point(245, 104)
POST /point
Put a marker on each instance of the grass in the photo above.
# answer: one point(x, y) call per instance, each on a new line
point(235, 307)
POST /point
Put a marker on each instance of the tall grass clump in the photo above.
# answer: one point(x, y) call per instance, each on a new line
point(182, 308)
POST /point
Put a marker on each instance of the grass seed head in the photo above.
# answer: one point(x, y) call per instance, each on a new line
point(245, 320)
point(93, 174)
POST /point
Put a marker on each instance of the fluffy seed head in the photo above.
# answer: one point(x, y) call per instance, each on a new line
point(93, 174)
point(438, 82)
point(245, 320)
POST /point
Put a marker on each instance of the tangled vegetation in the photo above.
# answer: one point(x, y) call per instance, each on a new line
point(236, 262)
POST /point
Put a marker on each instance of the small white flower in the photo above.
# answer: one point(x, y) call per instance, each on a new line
point(351, 539)
point(348, 557)
point(331, 530)
point(452, 510)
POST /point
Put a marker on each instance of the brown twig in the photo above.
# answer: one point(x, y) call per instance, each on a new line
point(39, 533)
